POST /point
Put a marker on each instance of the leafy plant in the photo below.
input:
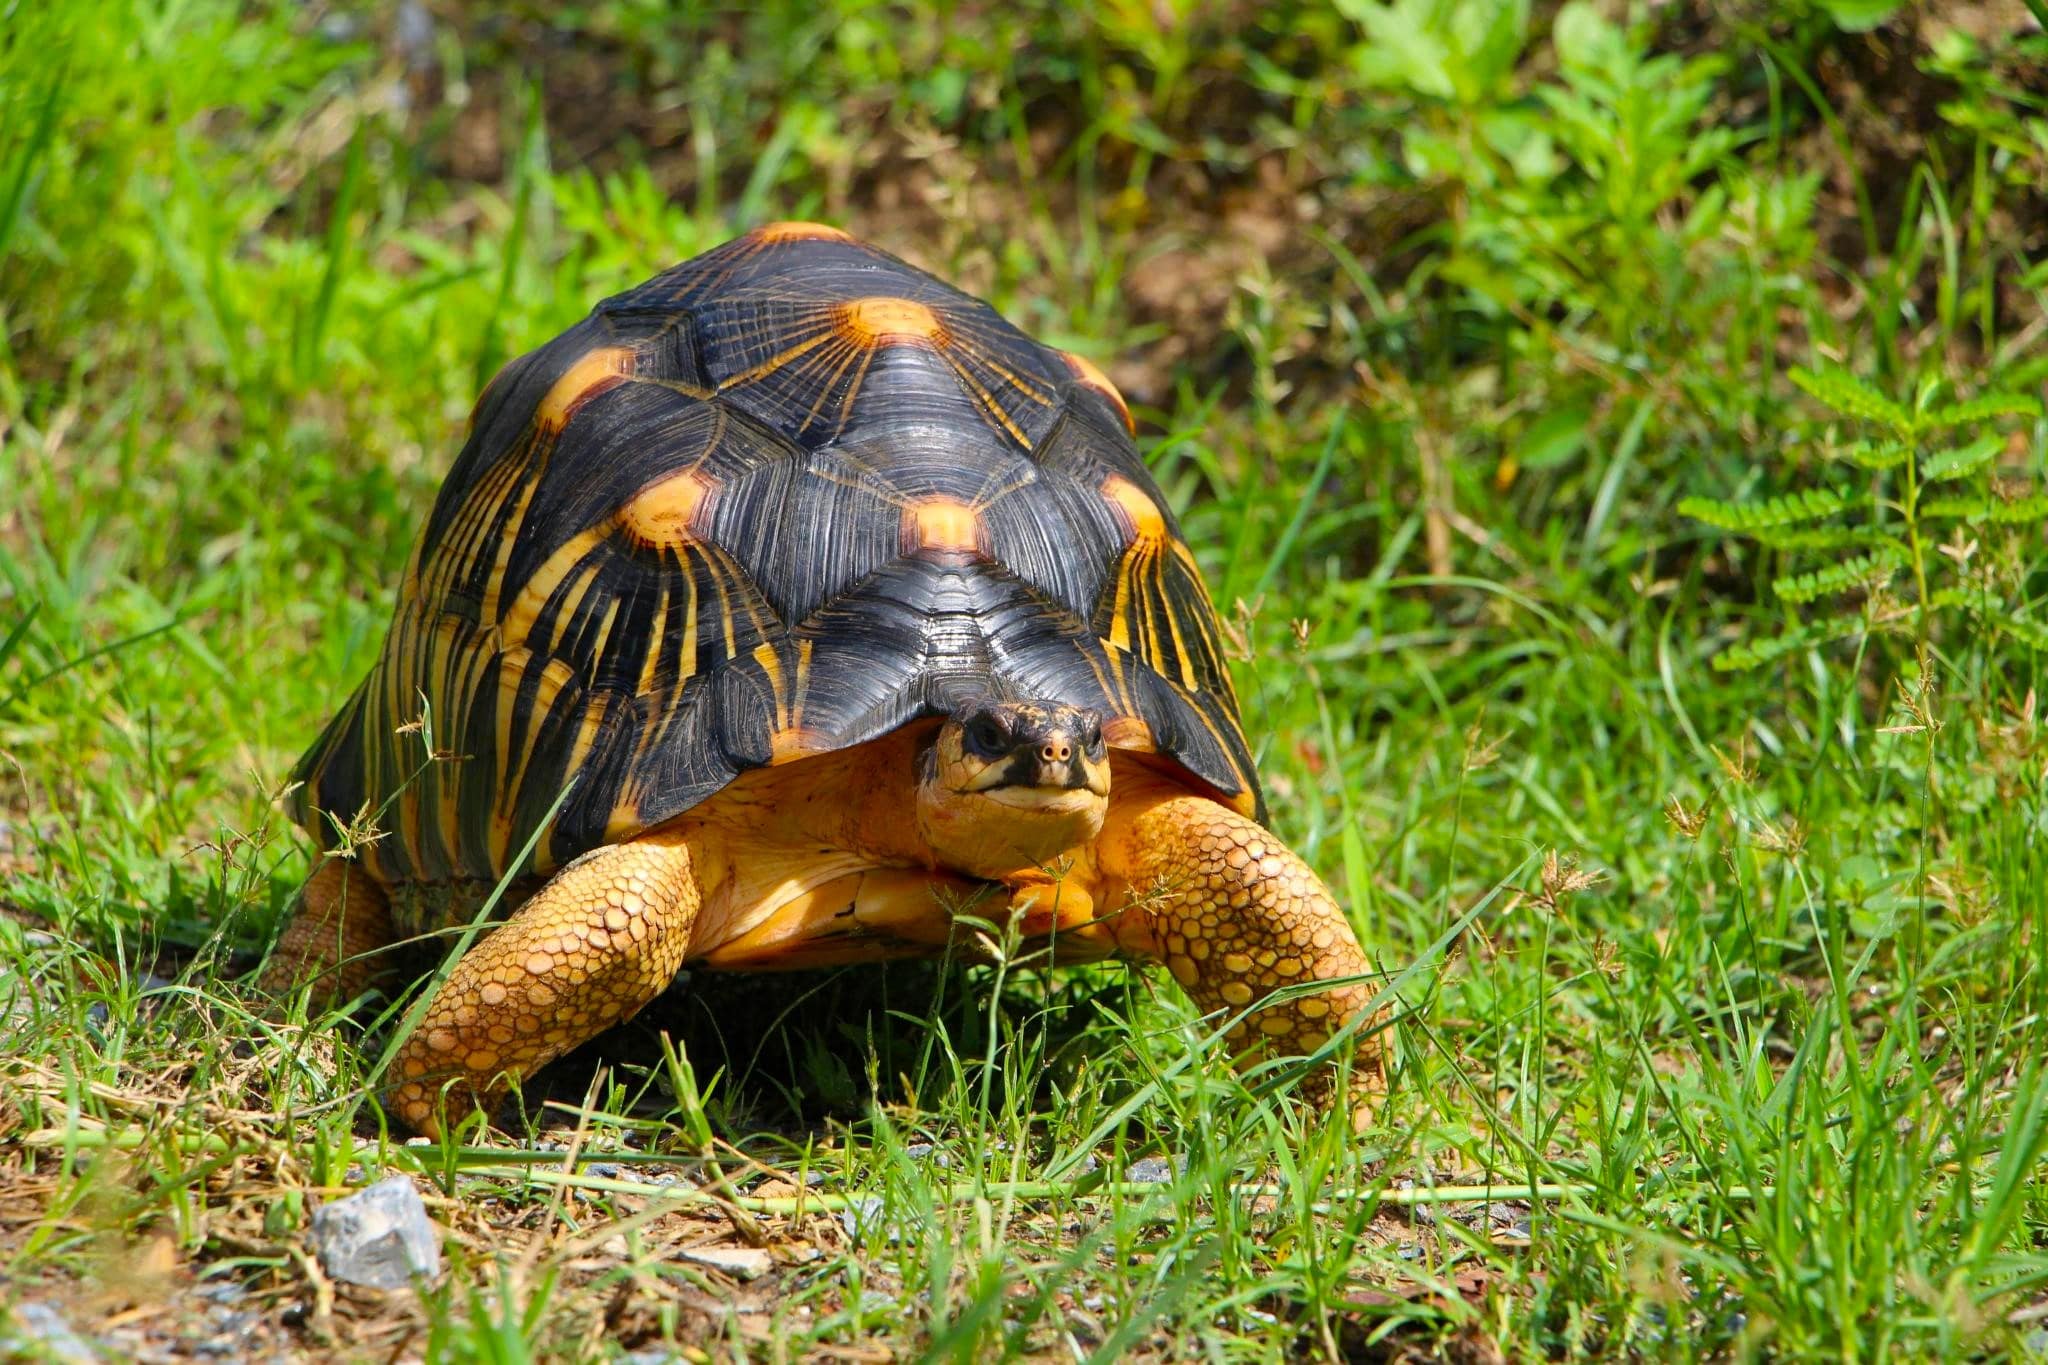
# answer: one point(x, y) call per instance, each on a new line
point(1909, 533)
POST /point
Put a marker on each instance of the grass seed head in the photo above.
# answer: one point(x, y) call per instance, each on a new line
point(1563, 878)
point(1689, 823)
point(1786, 837)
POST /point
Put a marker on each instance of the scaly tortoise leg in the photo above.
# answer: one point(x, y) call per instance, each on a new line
point(592, 947)
point(1235, 915)
point(334, 936)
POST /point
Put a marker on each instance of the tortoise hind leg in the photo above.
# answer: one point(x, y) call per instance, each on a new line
point(593, 946)
point(341, 923)
point(1235, 915)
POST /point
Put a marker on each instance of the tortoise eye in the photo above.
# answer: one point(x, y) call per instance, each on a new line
point(1094, 740)
point(986, 737)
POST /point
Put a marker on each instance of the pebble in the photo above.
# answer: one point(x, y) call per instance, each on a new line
point(868, 1218)
point(380, 1236)
point(741, 1263)
point(40, 1332)
point(651, 1355)
point(1155, 1170)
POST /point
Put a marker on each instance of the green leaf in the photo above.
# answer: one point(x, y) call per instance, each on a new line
point(1825, 538)
point(1847, 394)
point(1944, 465)
point(1983, 406)
point(1860, 16)
point(1585, 38)
point(1757, 653)
point(1490, 34)
point(1554, 437)
point(1399, 50)
point(1976, 511)
point(1875, 454)
point(1836, 578)
point(1789, 510)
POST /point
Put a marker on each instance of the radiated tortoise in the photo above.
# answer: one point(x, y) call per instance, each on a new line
point(786, 606)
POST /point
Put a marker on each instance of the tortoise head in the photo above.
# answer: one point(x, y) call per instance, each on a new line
point(1009, 785)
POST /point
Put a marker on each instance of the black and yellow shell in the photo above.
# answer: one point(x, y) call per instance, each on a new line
point(778, 500)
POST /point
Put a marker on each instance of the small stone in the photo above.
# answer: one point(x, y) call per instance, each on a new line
point(741, 1263)
point(1154, 1170)
point(379, 1236)
point(40, 1332)
point(868, 1218)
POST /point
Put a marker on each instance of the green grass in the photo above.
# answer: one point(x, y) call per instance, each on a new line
point(1722, 988)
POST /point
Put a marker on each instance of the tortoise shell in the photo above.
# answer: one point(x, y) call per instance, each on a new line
point(779, 500)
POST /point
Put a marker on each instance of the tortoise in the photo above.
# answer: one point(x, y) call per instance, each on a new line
point(787, 607)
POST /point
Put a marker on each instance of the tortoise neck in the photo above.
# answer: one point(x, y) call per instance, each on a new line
point(859, 800)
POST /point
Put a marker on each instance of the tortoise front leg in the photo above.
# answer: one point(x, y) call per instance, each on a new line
point(592, 947)
point(1235, 915)
point(341, 922)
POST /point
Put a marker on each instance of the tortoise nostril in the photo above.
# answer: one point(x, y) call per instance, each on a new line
point(1056, 752)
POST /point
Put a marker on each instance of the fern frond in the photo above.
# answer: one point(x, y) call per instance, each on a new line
point(1789, 510)
point(1754, 654)
point(2032, 634)
point(1876, 454)
point(1847, 394)
point(1943, 465)
point(1981, 407)
point(1838, 577)
point(1981, 511)
point(1995, 614)
point(1826, 538)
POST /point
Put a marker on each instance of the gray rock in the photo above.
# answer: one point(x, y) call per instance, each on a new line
point(867, 1219)
point(741, 1263)
point(39, 1332)
point(413, 34)
point(379, 1236)
point(1154, 1170)
point(98, 1014)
